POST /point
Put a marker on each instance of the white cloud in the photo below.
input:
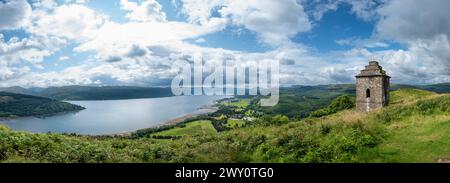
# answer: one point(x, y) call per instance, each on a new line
point(200, 40)
point(424, 28)
point(274, 21)
point(64, 58)
point(44, 4)
point(71, 21)
point(115, 39)
point(146, 11)
point(14, 13)
point(27, 50)
point(406, 20)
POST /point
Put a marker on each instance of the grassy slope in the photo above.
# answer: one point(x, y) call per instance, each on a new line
point(413, 129)
point(196, 128)
point(416, 137)
point(235, 123)
point(243, 102)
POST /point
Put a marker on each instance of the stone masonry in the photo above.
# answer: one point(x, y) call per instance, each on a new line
point(372, 88)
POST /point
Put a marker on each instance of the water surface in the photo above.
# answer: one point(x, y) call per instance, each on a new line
point(114, 116)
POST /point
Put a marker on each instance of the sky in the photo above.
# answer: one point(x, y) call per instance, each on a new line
point(135, 42)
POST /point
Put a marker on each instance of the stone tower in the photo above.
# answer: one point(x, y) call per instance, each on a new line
point(372, 88)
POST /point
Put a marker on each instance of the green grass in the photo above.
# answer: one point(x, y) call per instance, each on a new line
point(418, 132)
point(195, 128)
point(424, 139)
point(408, 95)
point(235, 123)
point(243, 102)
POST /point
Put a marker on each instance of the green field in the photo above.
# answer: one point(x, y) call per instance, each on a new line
point(243, 102)
point(195, 128)
point(235, 123)
point(425, 139)
point(414, 136)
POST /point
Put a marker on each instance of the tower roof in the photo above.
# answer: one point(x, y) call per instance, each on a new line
point(373, 69)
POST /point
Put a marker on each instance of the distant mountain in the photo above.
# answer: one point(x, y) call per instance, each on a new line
point(299, 101)
point(103, 92)
point(15, 89)
point(13, 104)
point(133, 92)
point(439, 88)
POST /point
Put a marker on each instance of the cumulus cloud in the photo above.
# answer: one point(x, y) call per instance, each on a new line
point(146, 11)
point(274, 21)
point(406, 20)
point(27, 50)
point(14, 13)
point(114, 38)
point(136, 51)
point(424, 28)
point(73, 21)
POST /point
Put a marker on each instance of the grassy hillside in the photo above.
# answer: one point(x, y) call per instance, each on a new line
point(299, 101)
point(413, 129)
point(12, 105)
point(417, 129)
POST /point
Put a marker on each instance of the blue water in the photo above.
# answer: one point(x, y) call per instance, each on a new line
point(114, 116)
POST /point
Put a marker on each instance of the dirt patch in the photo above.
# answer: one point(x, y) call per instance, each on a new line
point(443, 160)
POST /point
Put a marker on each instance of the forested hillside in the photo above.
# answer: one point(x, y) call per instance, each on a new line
point(17, 105)
point(103, 93)
point(93, 92)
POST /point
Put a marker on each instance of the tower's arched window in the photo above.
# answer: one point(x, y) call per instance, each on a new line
point(368, 93)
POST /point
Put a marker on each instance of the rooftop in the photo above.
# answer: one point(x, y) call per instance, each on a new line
point(373, 69)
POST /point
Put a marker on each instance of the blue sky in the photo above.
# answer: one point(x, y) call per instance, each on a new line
point(134, 42)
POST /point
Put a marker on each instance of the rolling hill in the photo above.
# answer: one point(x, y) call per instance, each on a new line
point(299, 101)
point(414, 128)
point(103, 93)
point(92, 92)
point(19, 105)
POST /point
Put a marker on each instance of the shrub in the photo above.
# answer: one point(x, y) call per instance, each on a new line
point(338, 104)
point(280, 119)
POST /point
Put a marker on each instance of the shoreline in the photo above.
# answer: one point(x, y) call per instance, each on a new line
point(41, 116)
point(174, 121)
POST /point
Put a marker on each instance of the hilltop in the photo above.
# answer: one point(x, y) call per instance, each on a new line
point(414, 128)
